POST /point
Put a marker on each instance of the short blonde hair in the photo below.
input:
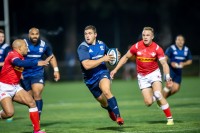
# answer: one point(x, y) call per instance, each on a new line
point(149, 28)
point(91, 27)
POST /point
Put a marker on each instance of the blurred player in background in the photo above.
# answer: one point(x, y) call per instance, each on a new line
point(93, 58)
point(33, 77)
point(4, 48)
point(9, 83)
point(129, 71)
point(178, 56)
point(147, 53)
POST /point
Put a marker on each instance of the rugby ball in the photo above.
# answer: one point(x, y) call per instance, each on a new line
point(113, 51)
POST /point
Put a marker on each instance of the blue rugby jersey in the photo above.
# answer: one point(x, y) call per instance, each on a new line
point(176, 55)
point(36, 53)
point(4, 49)
point(92, 52)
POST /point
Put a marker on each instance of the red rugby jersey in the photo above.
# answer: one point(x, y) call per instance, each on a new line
point(147, 56)
point(11, 74)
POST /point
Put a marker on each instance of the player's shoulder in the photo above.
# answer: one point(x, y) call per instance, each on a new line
point(83, 44)
point(5, 45)
point(100, 42)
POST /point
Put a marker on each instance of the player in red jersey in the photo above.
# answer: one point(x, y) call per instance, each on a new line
point(9, 83)
point(147, 54)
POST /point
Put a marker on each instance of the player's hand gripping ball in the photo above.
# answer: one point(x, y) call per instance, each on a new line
point(114, 53)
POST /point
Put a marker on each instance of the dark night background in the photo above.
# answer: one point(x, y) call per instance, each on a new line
point(119, 22)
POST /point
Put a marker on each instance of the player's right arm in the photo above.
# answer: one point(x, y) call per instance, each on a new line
point(85, 60)
point(122, 61)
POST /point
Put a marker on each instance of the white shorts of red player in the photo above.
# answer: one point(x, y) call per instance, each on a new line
point(145, 81)
point(7, 90)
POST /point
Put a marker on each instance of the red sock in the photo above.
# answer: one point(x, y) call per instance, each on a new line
point(34, 116)
point(167, 113)
point(166, 110)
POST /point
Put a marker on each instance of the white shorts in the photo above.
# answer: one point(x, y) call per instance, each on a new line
point(8, 90)
point(147, 80)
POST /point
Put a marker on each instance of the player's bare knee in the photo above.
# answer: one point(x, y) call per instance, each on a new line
point(31, 104)
point(157, 95)
point(107, 94)
point(9, 113)
point(148, 102)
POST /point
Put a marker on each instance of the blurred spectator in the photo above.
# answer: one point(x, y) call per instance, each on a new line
point(70, 59)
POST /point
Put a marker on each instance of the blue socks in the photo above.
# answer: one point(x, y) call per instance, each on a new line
point(39, 104)
point(112, 102)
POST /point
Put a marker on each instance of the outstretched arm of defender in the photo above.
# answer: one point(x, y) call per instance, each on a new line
point(122, 61)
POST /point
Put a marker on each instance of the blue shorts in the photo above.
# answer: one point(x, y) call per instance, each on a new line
point(27, 82)
point(175, 77)
point(94, 88)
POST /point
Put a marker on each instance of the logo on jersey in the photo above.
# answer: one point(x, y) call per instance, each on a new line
point(139, 53)
point(101, 47)
point(41, 81)
point(41, 50)
point(142, 59)
point(90, 51)
point(42, 43)
point(153, 54)
point(105, 76)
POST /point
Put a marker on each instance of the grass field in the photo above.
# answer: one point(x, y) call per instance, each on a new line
point(70, 108)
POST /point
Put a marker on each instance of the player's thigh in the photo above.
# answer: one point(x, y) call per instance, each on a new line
point(25, 98)
point(102, 99)
point(147, 94)
point(157, 86)
point(7, 105)
point(37, 88)
point(176, 86)
point(104, 85)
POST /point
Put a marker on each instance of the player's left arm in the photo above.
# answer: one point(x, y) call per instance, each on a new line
point(53, 63)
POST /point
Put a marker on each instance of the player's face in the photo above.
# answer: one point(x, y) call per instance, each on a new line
point(180, 41)
point(34, 36)
point(24, 49)
point(2, 38)
point(147, 37)
point(90, 36)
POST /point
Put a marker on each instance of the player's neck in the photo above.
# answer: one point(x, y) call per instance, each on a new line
point(180, 47)
point(94, 42)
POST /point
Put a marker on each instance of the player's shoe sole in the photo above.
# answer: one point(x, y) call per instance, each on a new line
point(112, 115)
point(120, 121)
point(170, 122)
point(9, 119)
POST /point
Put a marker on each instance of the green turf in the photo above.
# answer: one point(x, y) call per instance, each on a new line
point(70, 108)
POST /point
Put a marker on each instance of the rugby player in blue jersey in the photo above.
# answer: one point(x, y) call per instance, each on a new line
point(179, 56)
point(4, 48)
point(93, 58)
point(33, 77)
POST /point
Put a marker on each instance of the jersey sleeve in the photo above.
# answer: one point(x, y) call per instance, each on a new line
point(160, 53)
point(23, 63)
point(83, 53)
point(133, 49)
point(168, 52)
point(7, 49)
point(48, 51)
point(189, 56)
